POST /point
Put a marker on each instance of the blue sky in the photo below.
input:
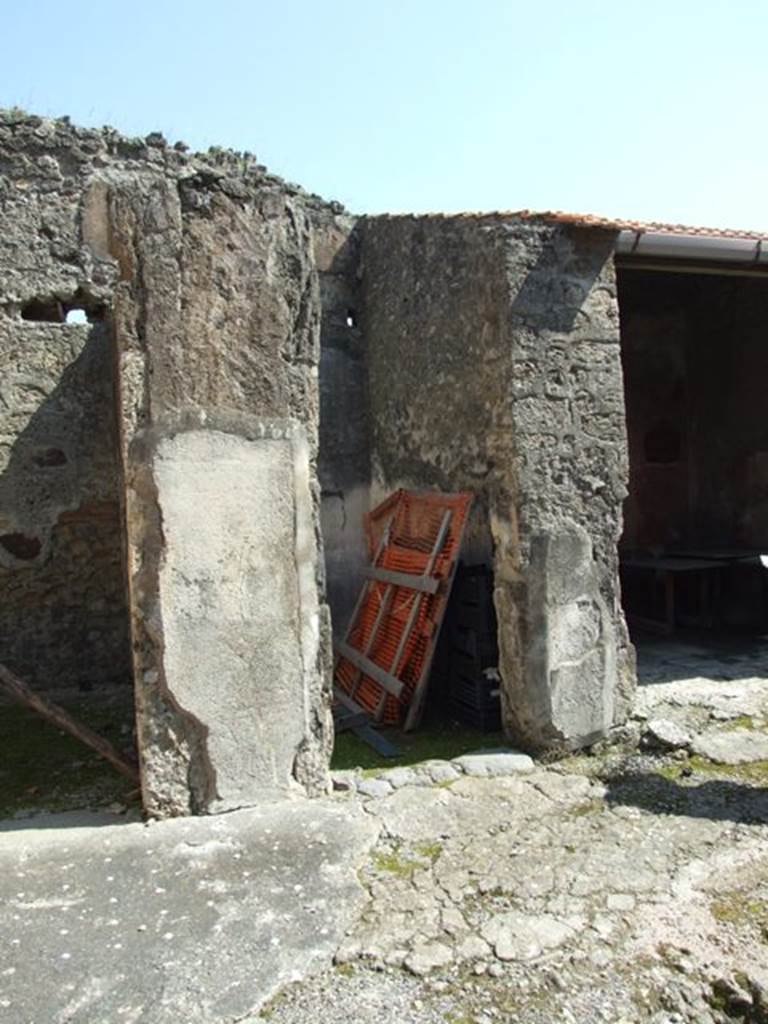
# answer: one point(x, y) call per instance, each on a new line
point(654, 110)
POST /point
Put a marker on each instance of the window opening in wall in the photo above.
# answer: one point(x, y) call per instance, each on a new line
point(351, 318)
point(695, 539)
point(76, 316)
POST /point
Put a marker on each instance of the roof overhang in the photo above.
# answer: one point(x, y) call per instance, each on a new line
point(734, 253)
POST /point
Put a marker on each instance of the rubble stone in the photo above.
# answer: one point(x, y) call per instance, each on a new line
point(660, 732)
point(491, 763)
point(738, 746)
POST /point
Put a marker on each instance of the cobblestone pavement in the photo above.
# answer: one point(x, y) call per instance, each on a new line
point(626, 886)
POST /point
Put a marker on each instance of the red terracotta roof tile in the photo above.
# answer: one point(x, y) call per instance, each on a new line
point(592, 220)
point(585, 220)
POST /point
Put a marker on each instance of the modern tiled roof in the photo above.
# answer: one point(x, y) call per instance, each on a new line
point(591, 220)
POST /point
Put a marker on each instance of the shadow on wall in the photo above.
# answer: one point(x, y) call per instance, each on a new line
point(63, 612)
point(344, 433)
point(552, 294)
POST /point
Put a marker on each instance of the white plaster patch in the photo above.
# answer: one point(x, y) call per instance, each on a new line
point(232, 598)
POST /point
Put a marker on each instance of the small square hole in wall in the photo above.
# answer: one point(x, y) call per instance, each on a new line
point(78, 310)
point(47, 311)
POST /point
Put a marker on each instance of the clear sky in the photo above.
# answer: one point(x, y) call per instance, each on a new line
point(654, 110)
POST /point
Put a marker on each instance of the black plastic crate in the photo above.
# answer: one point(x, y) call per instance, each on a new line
point(487, 719)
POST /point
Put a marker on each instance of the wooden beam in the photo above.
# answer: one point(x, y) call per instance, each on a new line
point(427, 584)
point(365, 730)
point(436, 549)
point(419, 695)
point(370, 668)
point(20, 692)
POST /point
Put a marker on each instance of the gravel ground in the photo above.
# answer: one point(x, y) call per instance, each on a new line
point(629, 886)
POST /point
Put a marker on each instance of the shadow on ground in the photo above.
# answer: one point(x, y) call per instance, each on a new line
point(691, 654)
point(716, 799)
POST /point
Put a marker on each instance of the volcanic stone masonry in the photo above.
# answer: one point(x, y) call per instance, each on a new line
point(161, 467)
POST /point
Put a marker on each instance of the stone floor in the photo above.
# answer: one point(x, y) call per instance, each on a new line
point(631, 885)
point(627, 886)
point(189, 920)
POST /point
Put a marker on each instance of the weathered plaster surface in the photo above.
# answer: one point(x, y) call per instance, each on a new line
point(571, 676)
point(232, 605)
point(439, 373)
point(222, 285)
point(493, 352)
point(206, 271)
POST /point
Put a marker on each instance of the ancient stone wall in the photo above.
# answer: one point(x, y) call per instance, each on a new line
point(493, 354)
point(439, 371)
point(344, 454)
point(204, 268)
point(63, 612)
point(568, 666)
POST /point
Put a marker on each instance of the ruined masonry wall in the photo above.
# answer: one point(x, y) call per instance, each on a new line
point(569, 666)
point(63, 611)
point(494, 367)
point(206, 269)
point(439, 374)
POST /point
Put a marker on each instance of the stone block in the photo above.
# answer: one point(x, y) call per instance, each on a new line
point(491, 763)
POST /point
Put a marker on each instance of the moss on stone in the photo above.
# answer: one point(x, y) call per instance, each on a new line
point(753, 772)
point(740, 908)
point(431, 742)
point(391, 862)
point(742, 722)
point(593, 806)
point(430, 851)
point(672, 772)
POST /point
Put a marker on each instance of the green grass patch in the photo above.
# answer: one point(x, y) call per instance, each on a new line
point(742, 722)
point(594, 806)
point(45, 769)
point(755, 772)
point(432, 742)
point(739, 908)
point(393, 863)
point(671, 772)
point(430, 851)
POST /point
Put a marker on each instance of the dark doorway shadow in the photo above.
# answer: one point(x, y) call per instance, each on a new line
point(63, 603)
